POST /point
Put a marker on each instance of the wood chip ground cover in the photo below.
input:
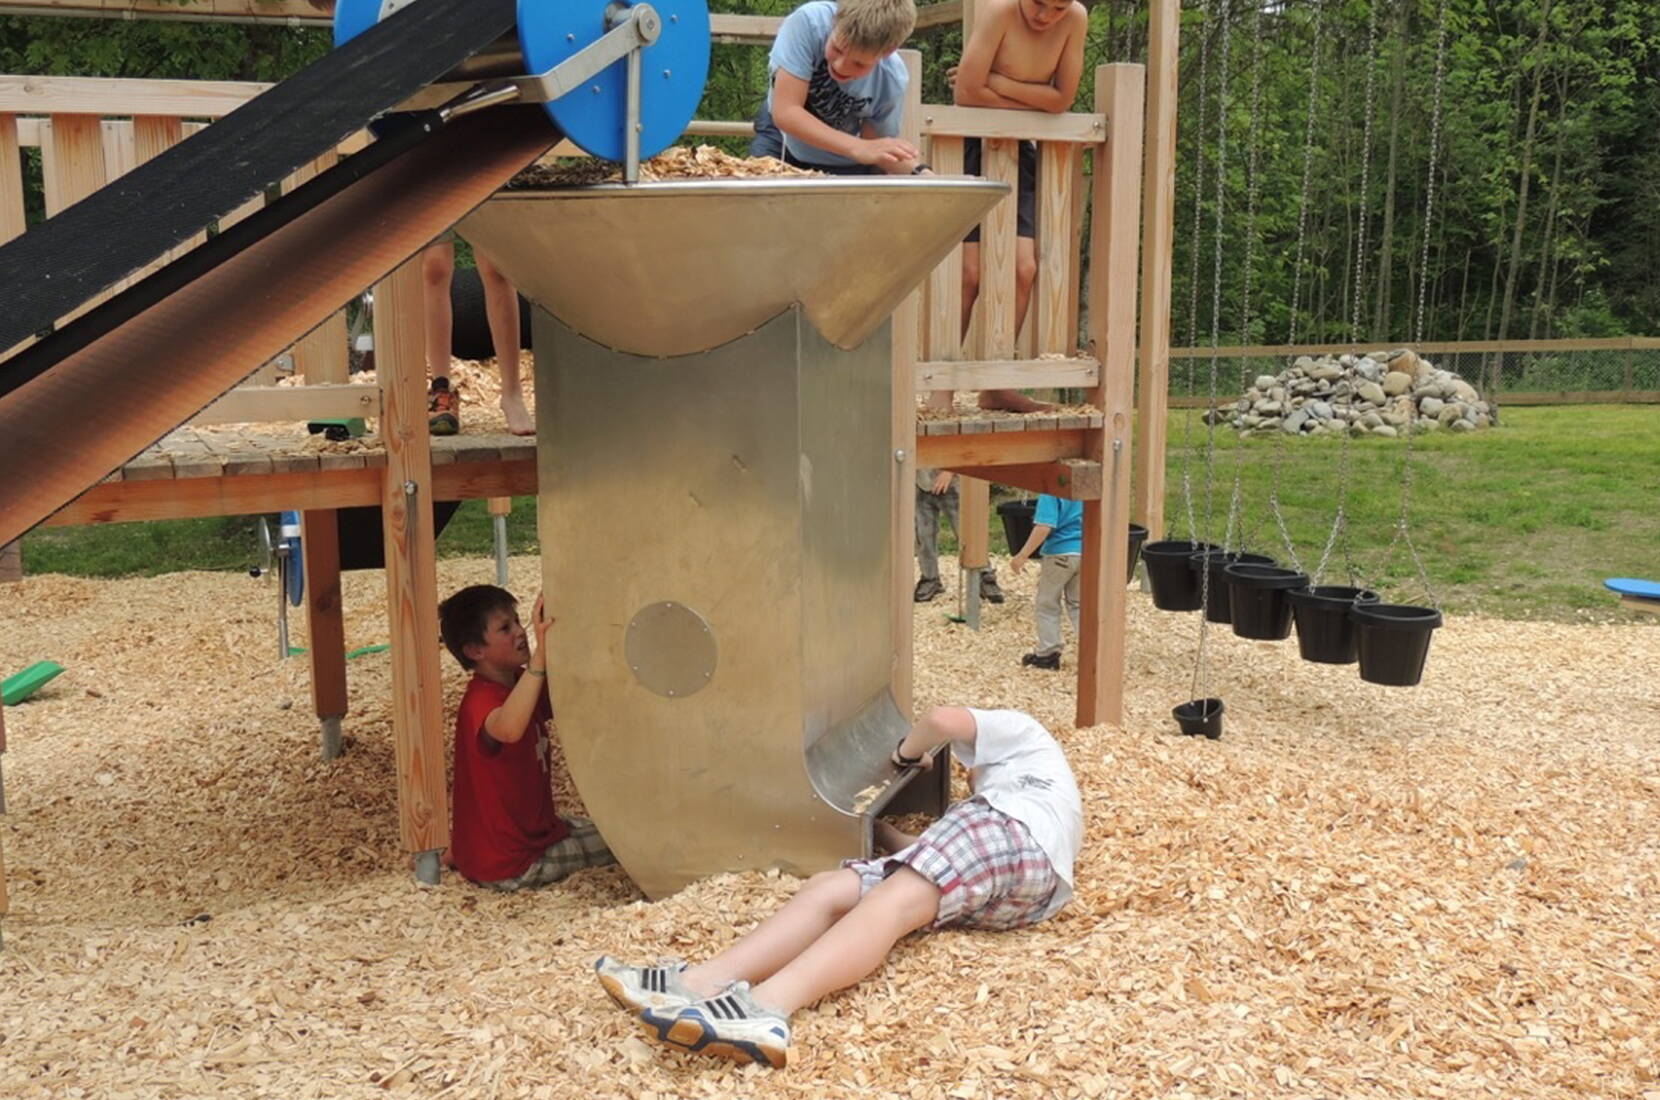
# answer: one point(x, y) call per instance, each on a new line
point(1360, 891)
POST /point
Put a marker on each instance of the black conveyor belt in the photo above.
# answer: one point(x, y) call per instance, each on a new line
point(66, 260)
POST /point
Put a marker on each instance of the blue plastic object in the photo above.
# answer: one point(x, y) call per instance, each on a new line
point(353, 17)
point(1631, 586)
point(672, 74)
point(296, 564)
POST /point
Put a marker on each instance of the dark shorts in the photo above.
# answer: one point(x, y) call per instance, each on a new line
point(1025, 194)
point(990, 872)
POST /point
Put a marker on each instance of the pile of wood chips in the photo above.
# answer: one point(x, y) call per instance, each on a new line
point(675, 163)
point(1446, 891)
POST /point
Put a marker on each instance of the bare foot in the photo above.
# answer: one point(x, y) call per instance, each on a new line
point(519, 420)
point(889, 838)
point(1012, 401)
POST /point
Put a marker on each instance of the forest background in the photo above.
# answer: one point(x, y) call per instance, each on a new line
point(1545, 219)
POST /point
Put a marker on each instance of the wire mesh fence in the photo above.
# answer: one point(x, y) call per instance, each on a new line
point(1538, 372)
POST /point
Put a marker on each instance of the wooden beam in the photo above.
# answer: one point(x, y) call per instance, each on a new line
point(1638, 603)
point(939, 14)
point(1050, 311)
point(411, 567)
point(1115, 239)
point(945, 282)
point(325, 613)
point(290, 12)
point(13, 219)
point(1069, 478)
point(11, 567)
point(998, 449)
point(939, 120)
point(96, 95)
point(252, 404)
point(1007, 374)
point(1428, 347)
point(1158, 196)
point(250, 494)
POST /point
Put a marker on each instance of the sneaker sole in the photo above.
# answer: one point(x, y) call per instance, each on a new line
point(695, 1038)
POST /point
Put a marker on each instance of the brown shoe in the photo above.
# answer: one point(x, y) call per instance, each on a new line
point(443, 408)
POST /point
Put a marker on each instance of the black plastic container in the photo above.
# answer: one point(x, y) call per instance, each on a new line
point(1325, 633)
point(1198, 716)
point(1170, 573)
point(1217, 559)
point(1017, 524)
point(1256, 599)
point(1138, 537)
point(1393, 641)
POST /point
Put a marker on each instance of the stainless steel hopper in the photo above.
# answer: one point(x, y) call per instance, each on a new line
point(714, 410)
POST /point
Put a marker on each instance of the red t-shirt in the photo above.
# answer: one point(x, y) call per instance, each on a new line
point(503, 815)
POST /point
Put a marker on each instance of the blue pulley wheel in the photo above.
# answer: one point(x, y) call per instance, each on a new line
point(672, 69)
point(295, 569)
point(672, 72)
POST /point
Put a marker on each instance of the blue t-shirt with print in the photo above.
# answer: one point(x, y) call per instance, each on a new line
point(877, 98)
point(1067, 519)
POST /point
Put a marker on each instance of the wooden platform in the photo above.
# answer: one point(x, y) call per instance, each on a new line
point(196, 472)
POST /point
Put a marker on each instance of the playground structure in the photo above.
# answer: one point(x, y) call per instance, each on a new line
point(1086, 457)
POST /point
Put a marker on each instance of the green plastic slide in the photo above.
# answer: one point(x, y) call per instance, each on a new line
point(15, 689)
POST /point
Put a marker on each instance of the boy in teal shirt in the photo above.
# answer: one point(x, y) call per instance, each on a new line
point(1058, 530)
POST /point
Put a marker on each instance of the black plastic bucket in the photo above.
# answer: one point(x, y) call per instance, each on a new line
point(1017, 524)
point(1393, 641)
point(1200, 716)
point(1138, 536)
point(1216, 602)
point(1325, 633)
point(1256, 599)
point(1170, 573)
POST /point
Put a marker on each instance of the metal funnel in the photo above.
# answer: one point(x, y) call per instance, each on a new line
point(664, 269)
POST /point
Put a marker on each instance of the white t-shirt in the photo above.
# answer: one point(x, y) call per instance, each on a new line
point(1018, 767)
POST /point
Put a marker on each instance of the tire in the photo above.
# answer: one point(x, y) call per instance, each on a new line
point(470, 331)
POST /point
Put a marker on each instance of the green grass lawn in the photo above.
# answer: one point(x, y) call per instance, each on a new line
point(1523, 521)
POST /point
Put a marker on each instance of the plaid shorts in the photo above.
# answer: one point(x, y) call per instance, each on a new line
point(581, 847)
point(990, 872)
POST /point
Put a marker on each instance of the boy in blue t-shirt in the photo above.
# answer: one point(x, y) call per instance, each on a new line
point(837, 90)
point(1058, 529)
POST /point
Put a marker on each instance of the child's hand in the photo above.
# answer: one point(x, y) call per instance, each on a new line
point(540, 621)
point(1017, 563)
point(942, 482)
point(884, 150)
point(951, 76)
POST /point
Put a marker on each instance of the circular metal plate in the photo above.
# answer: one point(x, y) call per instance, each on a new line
point(670, 649)
point(672, 73)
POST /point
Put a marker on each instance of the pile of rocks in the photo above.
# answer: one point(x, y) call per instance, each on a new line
point(1381, 394)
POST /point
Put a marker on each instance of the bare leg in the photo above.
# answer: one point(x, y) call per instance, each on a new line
point(1025, 275)
point(855, 945)
point(501, 308)
point(817, 906)
point(889, 838)
point(437, 266)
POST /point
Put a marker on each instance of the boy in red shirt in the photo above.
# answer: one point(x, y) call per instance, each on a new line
point(505, 832)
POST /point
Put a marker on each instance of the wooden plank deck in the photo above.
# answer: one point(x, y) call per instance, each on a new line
point(207, 471)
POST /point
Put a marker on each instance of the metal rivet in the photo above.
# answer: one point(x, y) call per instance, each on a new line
point(639, 127)
point(674, 19)
point(665, 74)
point(570, 38)
point(596, 89)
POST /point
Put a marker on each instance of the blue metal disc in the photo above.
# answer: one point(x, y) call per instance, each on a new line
point(353, 17)
point(672, 72)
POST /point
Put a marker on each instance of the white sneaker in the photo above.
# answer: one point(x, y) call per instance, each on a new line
point(635, 988)
point(727, 1025)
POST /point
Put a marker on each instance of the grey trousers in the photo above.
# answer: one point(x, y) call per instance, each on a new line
point(929, 508)
point(1058, 582)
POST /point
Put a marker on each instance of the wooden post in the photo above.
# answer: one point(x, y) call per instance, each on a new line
point(5, 901)
point(321, 356)
point(411, 569)
point(11, 562)
point(902, 521)
point(945, 283)
point(1158, 232)
point(1052, 296)
point(1112, 315)
point(325, 615)
point(74, 167)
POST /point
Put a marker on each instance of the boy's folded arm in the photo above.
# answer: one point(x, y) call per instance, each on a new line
point(1037, 97)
